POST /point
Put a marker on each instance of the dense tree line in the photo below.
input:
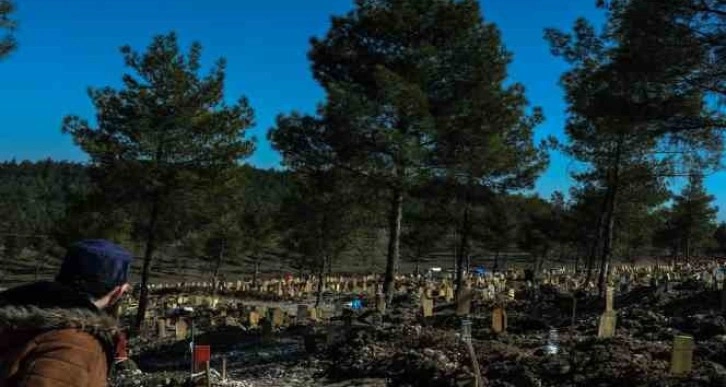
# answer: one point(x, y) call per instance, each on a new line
point(422, 145)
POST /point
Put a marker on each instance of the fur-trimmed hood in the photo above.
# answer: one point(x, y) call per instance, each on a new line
point(31, 318)
point(32, 309)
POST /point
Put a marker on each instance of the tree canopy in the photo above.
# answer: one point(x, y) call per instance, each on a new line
point(163, 138)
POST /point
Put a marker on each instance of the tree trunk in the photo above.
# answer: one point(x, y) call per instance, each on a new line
point(394, 235)
point(148, 257)
point(463, 252)
point(591, 256)
point(330, 266)
point(321, 284)
point(256, 274)
point(217, 267)
point(455, 267)
point(496, 260)
point(463, 248)
point(609, 220)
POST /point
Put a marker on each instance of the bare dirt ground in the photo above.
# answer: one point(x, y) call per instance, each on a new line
point(403, 348)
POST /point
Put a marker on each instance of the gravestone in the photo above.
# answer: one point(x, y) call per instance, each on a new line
point(230, 321)
point(607, 324)
point(427, 306)
point(278, 317)
point(499, 320)
point(448, 293)
point(254, 319)
point(511, 294)
point(181, 329)
point(682, 355)
point(608, 320)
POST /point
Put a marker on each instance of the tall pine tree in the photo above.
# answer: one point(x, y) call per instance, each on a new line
point(693, 217)
point(161, 137)
point(409, 86)
point(629, 106)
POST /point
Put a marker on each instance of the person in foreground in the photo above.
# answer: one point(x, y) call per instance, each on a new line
point(62, 333)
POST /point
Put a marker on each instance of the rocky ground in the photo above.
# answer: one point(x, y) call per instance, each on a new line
point(540, 348)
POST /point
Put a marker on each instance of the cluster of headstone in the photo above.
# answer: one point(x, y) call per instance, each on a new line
point(494, 289)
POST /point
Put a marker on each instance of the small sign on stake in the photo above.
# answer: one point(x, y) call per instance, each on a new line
point(202, 355)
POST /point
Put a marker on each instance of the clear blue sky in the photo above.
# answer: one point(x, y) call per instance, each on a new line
point(68, 45)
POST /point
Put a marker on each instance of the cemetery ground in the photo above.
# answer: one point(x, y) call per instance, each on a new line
point(656, 327)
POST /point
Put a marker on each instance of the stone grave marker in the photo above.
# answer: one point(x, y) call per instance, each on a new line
point(181, 329)
point(608, 319)
point(499, 320)
point(682, 355)
point(511, 294)
point(427, 306)
point(254, 319)
point(448, 293)
point(278, 317)
point(230, 321)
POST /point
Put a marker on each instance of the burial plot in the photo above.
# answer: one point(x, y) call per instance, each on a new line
point(682, 355)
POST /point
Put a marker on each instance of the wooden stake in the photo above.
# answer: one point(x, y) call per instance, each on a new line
point(474, 364)
point(224, 368)
point(209, 374)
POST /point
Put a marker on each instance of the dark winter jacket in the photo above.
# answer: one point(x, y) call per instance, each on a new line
point(51, 335)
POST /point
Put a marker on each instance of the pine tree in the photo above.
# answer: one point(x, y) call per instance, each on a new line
point(628, 106)
point(320, 221)
point(162, 138)
point(693, 217)
point(414, 88)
